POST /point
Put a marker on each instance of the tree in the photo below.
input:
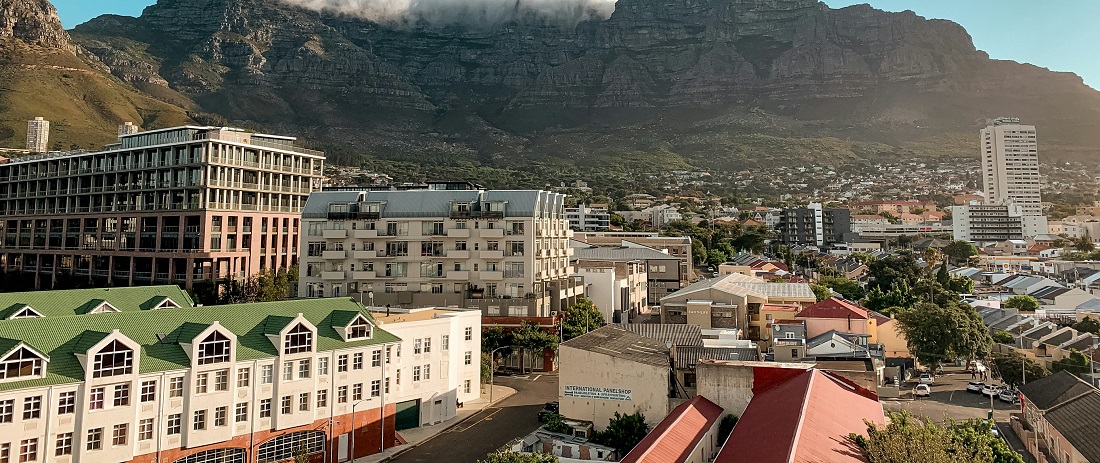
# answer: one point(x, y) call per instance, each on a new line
point(1022, 303)
point(725, 427)
point(581, 318)
point(716, 257)
point(487, 365)
point(516, 457)
point(301, 455)
point(821, 292)
point(899, 296)
point(960, 252)
point(1003, 337)
point(529, 338)
point(623, 432)
point(1013, 368)
point(850, 289)
point(942, 276)
point(1088, 325)
point(907, 439)
point(937, 333)
point(887, 272)
point(495, 337)
point(555, 423)
point(1077, 363)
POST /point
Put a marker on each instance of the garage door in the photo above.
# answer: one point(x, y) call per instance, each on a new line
point(407, 415)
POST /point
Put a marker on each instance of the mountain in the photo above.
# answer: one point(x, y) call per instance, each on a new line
point(43, 73)
point(659, 84)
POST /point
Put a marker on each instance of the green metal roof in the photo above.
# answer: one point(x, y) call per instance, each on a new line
point(80, 301)
point(62, 338)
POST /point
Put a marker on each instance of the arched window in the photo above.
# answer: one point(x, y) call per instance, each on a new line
point(115, 359)
point(21, 363)
point(298, 339)
point(282, 448)
point(215, 456)
point(214, 349)
point(359, 329)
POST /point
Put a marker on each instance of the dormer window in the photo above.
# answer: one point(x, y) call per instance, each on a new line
point(104, 307)
point(21, 363)
point(25, 312)
point(166, 304)
point(214, 349)
point(298, 339)
point(359, 328)
point(115, 359)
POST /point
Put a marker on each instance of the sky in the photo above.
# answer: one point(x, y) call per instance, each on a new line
point(1056, 34)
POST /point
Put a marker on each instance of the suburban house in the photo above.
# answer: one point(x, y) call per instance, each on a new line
point(839, 315)
point(730, 301)
point(1060, 420)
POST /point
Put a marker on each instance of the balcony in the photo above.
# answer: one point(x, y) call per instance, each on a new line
point(334, 255)
point(334, 275)
point(364, 275)
point(497, 254)
point(491, 276)
point(461, 275)
point(364, 234)
point(492, 233)
point(364, 254)
point(458, 254)
point(335, 234)
point(458, 233)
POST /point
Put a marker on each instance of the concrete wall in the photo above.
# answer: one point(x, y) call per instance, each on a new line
point(728, 386)
point(648, 385)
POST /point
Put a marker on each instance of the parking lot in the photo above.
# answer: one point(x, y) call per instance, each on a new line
point(950, 400)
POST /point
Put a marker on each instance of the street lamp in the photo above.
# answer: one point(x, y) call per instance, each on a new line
point(493, 369)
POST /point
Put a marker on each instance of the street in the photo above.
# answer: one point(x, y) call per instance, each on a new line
point(950, 400)
point(493, 427)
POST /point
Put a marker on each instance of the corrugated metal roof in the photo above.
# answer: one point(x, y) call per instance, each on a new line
point(834, 308)
point(1078, 420)
point(616, 342)
point(680, 334)
point(619, 254)
point(1054, 390)
point(71, 302)
point(687, 357)
point(675, 438)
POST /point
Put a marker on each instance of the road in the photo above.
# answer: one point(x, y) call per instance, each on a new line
point(491, 428)
point(950, 400)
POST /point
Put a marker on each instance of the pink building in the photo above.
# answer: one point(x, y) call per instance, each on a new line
point(176, 205)
point(842, 316)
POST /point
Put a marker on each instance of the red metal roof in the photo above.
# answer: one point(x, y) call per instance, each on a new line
point(673, 440)
point(833, 308)
point(805, 418)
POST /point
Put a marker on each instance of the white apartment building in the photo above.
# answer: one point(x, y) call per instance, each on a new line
point(1010, 170)
point(38, 135)
point(985, 223)
point(440, 365)
point(593, 217)
point(128, 379)
point(504, 252)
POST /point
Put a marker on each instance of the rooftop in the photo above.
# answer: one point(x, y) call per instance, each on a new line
point(1078, 420)
point(680, 334)
point(619, 343)
point(71, 302)
point(1054, 390)
point(675, 438)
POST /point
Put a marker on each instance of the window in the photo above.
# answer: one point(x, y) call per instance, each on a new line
point(357, 392)
point(303, 402)
point(214, 349)
point(115, 359)
point(243, 375)
point(387, 385)
point(221, 416)
point(284, 405)
point(32, 408)
point(375, 388)
point(266, 373)
point(201, 383)
point(240, 413)
point(66, 403)
point(120, 434)
point(288, 371)
point(304, 368)
point(225, 455)
point(298, 339)
point(148, 391)
point(342, 363)
point(466, 387)
point(417, 346)
point(7, 411)
point(145, 429)
point(221, 380)
point(342, 394)
point(174, 424)
point(357, 361)
point(5, 452)
point(284, 447)
point(416, 374)
point(64, 444)
point(322, 398)
point(358, 329)
point(21, 363)
point(28, 450)
point(122, 395)
point(95, 439)
point(265, 408)
point(427, 345)
point(427, 372)
point(468, 358)
point(322, 366)
point(376, 358)
point(469, 333)
point(199, 421)
point(175, 387)
point(389, 351)
point(445, 343)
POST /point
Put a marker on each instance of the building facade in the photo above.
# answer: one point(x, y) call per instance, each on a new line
point(136, 382)
point(984, 223)
point(504, 252)
point(174, 205)
point(38, 135)
point(594, 217)
point(664, 275)
point(1010, 168)
point(814, 225)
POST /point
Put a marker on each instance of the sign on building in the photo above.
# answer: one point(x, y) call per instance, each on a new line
point(602, 393)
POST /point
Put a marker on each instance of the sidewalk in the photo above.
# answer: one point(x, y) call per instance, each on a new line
point(416, 436)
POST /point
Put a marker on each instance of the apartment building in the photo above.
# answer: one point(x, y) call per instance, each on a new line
point(38, 135)
point(503, 252)
point(174, 205)
point(616, 279)
point(814, 225)
point(985, 223)
point(664, 277)
point(139, 375)
point(594, 217)
point(1010, 168)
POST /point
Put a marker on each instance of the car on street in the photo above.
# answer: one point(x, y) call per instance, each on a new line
point(974, 386)
point(927, 378)
point(922, 390)
point(1009, 395)
point(551, 408)
point(990, 390)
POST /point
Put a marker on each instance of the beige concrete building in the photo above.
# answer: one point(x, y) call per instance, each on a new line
point(504, 252)
point(730, 301)
point(1010, 170)
point(172, 205)
point(663, 279)
point(616, 279)
point(38, 135)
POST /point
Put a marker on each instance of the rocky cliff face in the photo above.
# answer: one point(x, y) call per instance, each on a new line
point(34, 22)
point(667, 66)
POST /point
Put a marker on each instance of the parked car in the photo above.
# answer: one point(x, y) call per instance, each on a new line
point(990, 390)
point(927, 378)
point(551, 408)
point(974, 386)
point(1009, 395)
point(922, 390)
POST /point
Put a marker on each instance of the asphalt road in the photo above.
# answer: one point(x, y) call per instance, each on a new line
point(951, 401)
point(491, 428)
